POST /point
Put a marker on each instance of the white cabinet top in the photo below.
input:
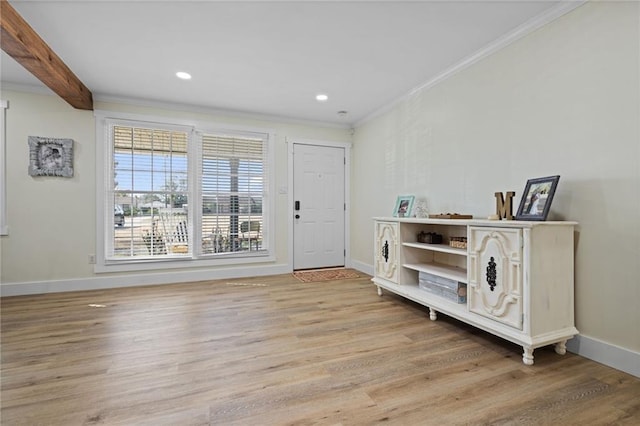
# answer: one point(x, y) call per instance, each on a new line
point(477, 222)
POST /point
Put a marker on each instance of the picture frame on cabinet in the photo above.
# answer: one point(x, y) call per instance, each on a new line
point(404, 205)
point(537, 197)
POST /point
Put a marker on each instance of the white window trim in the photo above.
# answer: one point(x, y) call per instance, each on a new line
point(103, 175)
point(4, 227)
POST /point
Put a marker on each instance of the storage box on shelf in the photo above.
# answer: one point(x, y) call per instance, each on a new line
point(517, 276)
point(449, 289)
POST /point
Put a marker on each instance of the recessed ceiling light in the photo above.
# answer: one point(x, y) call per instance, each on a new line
point(321, 97)
point(183, 75)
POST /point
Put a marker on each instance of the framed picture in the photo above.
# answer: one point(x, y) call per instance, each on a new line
point(50, 157)
point(403, 207)
point(537, 197)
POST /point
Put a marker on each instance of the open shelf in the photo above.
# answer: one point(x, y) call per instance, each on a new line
point(442, 248)
point(446, 271)
point(434, 301)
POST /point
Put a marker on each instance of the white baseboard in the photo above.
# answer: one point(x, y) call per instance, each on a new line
point(605, 353)
point(134, 280)
point(362, 267)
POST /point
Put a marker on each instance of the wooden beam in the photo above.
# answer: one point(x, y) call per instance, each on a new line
point(24, 45)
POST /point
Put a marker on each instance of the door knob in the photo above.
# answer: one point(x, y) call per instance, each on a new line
point(297, 216)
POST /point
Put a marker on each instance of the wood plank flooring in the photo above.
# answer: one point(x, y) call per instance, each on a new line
point(275, 351)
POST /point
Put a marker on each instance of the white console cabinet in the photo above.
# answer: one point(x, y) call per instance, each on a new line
point(518, 274)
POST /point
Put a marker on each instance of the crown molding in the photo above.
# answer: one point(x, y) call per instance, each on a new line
point(97, 97)
point(215, 111)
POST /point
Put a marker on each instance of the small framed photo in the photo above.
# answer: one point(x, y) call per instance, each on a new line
point(50, 157)
point(403, 207)
point(537, 197)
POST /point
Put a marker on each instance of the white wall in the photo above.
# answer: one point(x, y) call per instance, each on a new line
point(52, 220)
point(563, 100)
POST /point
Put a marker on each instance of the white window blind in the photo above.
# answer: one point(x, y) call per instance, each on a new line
point(233, 190)
point(149, 192)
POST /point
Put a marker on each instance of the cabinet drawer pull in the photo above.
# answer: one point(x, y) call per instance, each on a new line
point(491, 273)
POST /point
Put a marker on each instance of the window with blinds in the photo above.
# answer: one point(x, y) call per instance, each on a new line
point(232, 192)
point(179, 193)
point(149, 192)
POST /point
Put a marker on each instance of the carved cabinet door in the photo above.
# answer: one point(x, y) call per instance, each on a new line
point(386, 254)
point(495, 274)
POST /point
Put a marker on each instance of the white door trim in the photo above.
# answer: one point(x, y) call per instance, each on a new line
point(347, 193)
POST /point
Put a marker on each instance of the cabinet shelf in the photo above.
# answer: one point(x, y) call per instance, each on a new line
point(442, 248)
point(445, 271)
point(436, 302)
point(413, 292)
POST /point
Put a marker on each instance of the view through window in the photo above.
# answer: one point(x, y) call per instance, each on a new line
point(150, 196)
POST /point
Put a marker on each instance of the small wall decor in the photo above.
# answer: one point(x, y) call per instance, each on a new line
point(404, 204)
point(50, 157)
point(537, 197)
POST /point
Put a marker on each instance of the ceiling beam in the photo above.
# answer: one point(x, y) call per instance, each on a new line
point(24, 45)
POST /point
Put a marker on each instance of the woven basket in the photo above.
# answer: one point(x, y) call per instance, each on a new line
point(458, 242)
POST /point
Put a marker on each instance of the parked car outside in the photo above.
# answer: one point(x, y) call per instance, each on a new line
point(118, 215)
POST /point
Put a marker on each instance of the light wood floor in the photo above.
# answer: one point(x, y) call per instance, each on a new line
point(275, 351)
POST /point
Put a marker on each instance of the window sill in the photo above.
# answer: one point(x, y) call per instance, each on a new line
point(183, 262)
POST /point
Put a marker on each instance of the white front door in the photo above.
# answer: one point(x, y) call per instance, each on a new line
point(319, 206)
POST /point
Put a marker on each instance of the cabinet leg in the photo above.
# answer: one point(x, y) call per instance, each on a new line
point(561, 347)
point(527, 356)
point(379, 291)
point(433, 315)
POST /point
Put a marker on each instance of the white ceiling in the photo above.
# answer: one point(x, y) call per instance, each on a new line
point(266, 57)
